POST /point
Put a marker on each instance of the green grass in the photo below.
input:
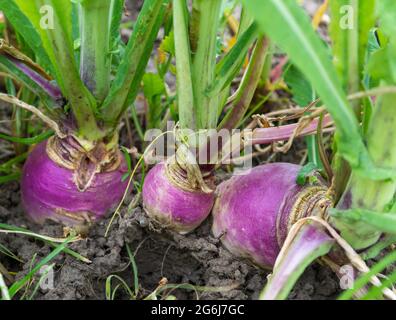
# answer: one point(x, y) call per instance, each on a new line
point(364, 280)
point(164, 290)
point(59, 245)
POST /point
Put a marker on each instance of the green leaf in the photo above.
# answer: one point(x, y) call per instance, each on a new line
point(376, 249)
point(154, 88)
point(185, 90)
point(300, 87)
point(349, 31)
point(130, 72)
point(42, 15)
point(152, 85)
point(27, 30)
point(386, 9)
point(303, 95)
point(203, 38)
point(117, 10)
point(382, 64)
point(53, 21)
point(95, 35)
point(168, 44)
point(245, 93)
point(10, 67)
point(231, 63)
point(305, 172)
point(289, 26)
point(310, 242)
point(384, 222)
point(28, 141)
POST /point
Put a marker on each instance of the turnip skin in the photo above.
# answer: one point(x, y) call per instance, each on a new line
point(49, 191)
point(173, 207)
point(252, 212)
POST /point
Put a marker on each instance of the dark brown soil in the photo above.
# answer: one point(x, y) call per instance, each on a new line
point(197, 259)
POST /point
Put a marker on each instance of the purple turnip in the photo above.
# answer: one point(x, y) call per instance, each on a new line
point(76, 176)
point(174, 206)
point(52, 189)
point(253, 212)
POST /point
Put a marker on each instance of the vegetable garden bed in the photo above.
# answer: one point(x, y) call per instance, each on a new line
point(203, 149)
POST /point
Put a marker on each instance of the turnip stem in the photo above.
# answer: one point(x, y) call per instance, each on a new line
point(125, 86)
point(95, 46)
point(51, 89)
point(60, 46)
point(204, 26)
point(248, 85)
point(272, 134)
point(363, 192)
point(185, 95)
point(310, 242)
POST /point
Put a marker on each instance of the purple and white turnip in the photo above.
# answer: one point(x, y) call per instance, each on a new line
point(57, 190)
point(253, 212)
point(175, 207)
point(75, 177)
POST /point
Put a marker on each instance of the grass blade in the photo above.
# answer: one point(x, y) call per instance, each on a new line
point(365, 279)
point(10, 177)
point(134, 270)
point(18, 285)
point(28, 141)
point(27, 30)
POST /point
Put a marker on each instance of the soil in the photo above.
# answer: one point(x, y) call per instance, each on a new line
point(198, 258)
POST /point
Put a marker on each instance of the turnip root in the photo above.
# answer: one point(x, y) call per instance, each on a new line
point(175, 207)
point(74, 196)
point(253, 212)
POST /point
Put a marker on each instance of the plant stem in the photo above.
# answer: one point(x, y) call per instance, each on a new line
point(353, 72)
point(59, 43)
point(95, 46)
point(185, 94)
point(309, 243)
point(248, 86)
point(350, 46)
point(363, 193)
point(125, 86)
point(204, 26)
